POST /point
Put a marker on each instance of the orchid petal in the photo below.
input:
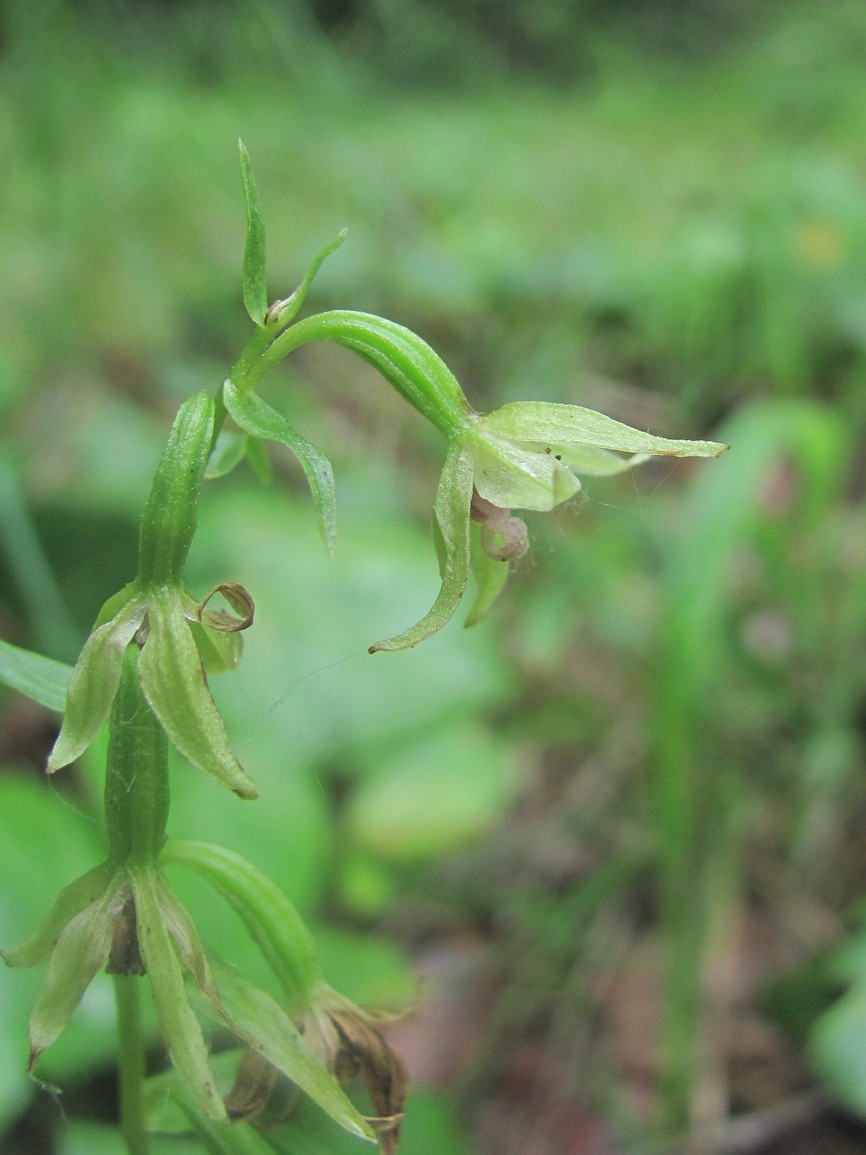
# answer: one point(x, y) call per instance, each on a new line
point(82, 948)
point(451, 537)
point(551, 423)
point(173, 682)
point(178, 1024)
point(517, 476)
point(94, 683)
point(71, 901)
point(491, 574)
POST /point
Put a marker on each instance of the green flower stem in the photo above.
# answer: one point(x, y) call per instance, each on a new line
point(136, 778)
point(407, 362)
point(131, 1063)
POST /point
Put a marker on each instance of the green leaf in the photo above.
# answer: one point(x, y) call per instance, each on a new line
point(269, 916)
point(264, 1026)
point(551, 424)
point(451, 537)
point(173, 683)
point(178, 1024)
point(94, 683)
point(259, 419)
point(82, 948)
point(254, 287)
point(39, 678)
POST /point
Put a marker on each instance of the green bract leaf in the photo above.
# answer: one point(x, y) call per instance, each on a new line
point(171, 678)
point(271, 919)
point(265, 1027)
point(94, 683)
point(254, 287)
point(283, 311)
point(81, 950)
point(178, 1024)
point(552, 424)
point(169, 519)
point(39, 678)
point(451, 536)
point(257, 418)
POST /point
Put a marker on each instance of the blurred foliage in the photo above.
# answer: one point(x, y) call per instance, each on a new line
point(655, 751)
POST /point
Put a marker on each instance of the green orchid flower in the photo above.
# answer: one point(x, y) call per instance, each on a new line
point(177, 638)
point(525, 455)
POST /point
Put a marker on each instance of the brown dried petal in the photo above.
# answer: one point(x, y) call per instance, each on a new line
point(383, 1071)
point(240, 601)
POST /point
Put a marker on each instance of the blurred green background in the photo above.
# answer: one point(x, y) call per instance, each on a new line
point(619, 829)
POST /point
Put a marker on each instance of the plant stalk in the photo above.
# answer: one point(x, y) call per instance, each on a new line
point(131, 1063)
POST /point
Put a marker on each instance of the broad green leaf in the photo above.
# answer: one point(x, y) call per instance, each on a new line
point(94, 683)
point(171, 677)
point(264, 1026)
point(553, 424)
point(451, 537)
point(82, 948)
point(38, 677)
point(254, 287)
point(178, 1024)
point(259, 419)
point(271, 919)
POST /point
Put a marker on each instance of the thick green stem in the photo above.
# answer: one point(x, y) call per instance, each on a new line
point(131, 1062)
point(136, 779)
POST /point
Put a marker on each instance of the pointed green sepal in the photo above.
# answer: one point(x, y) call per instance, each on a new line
point(172, 680)
point(82, 948)
point(259, 419)
point(94, 683)
point(263, 1025)
point(271, 919)
point(451, 538)
point(71, 901)
point(177, 1021)
point(553, 424)
point(255, 249)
